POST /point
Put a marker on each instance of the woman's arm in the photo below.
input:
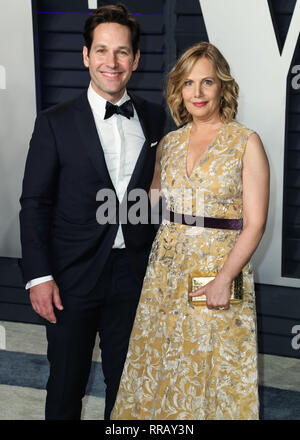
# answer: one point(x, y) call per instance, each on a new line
point(255, 208)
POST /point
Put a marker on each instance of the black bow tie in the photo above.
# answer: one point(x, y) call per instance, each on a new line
point(125, 109)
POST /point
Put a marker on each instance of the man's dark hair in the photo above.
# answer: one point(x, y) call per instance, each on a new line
point(112, 14)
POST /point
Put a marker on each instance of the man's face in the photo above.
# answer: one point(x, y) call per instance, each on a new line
point(111, 60)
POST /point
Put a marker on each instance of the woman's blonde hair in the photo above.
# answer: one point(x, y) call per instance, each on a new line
point(179, 73)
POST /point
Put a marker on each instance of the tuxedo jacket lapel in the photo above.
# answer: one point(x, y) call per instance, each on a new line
point(90, 138)
point(145, 123)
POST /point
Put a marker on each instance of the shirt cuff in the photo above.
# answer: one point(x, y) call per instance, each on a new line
point(37, 281)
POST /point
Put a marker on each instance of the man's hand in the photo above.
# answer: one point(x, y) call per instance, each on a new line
point(42, 298)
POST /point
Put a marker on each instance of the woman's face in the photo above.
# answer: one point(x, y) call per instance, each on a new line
point(202, 91)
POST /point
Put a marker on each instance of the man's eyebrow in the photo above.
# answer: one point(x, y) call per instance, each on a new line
point(119, 47)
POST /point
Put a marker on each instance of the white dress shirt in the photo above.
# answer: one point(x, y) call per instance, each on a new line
point(122, 140)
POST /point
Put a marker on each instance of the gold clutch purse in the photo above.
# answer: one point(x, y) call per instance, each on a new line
point(197, 280)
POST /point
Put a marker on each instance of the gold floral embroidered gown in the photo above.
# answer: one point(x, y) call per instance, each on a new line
point(189, 362)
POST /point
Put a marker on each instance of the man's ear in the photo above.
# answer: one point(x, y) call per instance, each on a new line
point(85, 56)
point(136, 60)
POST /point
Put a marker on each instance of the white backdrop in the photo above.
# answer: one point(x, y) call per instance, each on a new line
point(243, 31)
point(17, 113)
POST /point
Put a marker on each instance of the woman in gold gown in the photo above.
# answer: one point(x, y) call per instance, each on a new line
point(187, 361)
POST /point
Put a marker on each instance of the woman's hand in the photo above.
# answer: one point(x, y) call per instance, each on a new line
point(217, 293)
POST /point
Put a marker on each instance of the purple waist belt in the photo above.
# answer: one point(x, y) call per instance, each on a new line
point(205, 222)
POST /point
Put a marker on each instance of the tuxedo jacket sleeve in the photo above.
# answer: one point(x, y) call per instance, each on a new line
point(37, 200)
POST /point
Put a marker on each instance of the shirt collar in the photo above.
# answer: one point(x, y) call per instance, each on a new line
point(98, 104)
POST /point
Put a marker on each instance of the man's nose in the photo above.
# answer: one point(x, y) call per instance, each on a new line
point(111, 60)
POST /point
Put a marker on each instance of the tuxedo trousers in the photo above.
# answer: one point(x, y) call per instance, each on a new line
point(108, 310)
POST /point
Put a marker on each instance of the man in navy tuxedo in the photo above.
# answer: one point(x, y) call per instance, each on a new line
point(84, 276)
